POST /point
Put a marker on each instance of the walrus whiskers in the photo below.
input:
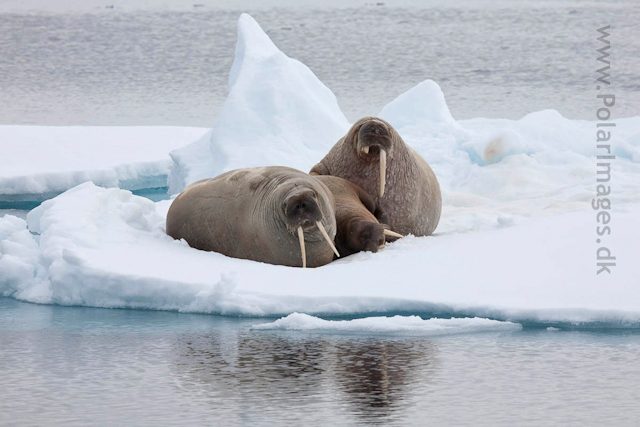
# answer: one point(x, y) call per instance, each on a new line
point(302, 247)
point(383, 171)
point(327, 238)
point(393, 234)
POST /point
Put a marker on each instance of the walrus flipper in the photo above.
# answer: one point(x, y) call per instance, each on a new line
point(382, 216)
point(319, 169)
point(371, 205)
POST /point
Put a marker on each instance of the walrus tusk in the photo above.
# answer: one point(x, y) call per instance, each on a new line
point(365, 149)
point(326, 236)
point(383, 171)
point(302, 248)
point(392, 234)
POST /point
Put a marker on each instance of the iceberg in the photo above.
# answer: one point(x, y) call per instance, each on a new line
point(277, 114)
point(516, 242)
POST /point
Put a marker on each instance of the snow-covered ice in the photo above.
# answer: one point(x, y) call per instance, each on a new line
point(106, 248)
point(39, 162)
point(516, 241)
point(396, 325)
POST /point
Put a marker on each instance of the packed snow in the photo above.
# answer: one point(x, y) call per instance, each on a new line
point(516, 241)
point(396, 325)
point(39, 162)
point(107, 248)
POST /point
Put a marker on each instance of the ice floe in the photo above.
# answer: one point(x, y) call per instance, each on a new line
point(396, 325)
point(516, 241)
point(39, 162)
point(107, 248)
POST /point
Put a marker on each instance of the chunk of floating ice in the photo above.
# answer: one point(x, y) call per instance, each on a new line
point(38, 162)
point(21, 273)
point(422, 104)
point(107, 248)
point(492, 140)
point(277, 113)
point(397, 325)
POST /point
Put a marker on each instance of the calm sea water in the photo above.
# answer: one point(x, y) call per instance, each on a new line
point(167, 63)
point(79, 366)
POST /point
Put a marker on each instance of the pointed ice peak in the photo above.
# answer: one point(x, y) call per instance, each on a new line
point(253, 44)
point(423, 103)
point(277, 113)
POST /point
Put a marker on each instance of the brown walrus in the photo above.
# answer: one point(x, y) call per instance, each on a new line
point(357, 217)
point(275, 215)
point(374, 156)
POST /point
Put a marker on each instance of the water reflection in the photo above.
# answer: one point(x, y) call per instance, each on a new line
point(378, 376)
point(267, 374)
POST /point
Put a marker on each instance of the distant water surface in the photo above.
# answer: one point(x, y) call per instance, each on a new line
point(167, 63)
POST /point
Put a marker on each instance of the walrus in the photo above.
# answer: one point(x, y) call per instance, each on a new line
point(373, 155)
point(276, 215)
point(359, 221)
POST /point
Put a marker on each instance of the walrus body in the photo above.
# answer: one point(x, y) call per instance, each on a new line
point(374, 156)
point(357, 217)
point(275, 215)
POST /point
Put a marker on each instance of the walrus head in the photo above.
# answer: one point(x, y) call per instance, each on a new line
point(301, 209)
point(365, 236)
point(373, 142)
point(302, 214)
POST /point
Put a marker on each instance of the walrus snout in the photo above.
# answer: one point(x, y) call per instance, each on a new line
point(302, 209)
point(376, 128)
point(366, 236)
point(374, 135)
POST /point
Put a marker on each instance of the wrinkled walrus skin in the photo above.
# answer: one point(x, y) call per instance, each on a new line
point(254, 214)
point(357, 217)
point(412, 197)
